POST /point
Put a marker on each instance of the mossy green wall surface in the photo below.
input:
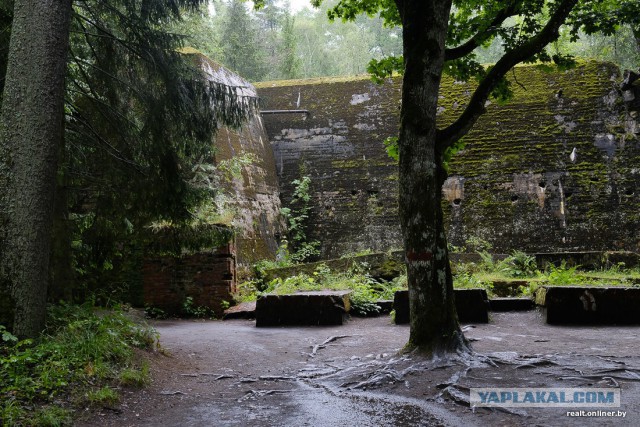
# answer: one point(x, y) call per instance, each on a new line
point(252, 195)
point(339, 145)
point(515, 184)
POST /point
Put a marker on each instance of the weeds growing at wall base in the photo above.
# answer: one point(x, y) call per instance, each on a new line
point(520, 267)
point(365, 289)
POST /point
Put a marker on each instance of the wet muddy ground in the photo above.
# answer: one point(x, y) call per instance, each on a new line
point(231, 373)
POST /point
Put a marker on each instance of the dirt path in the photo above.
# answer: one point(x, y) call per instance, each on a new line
point(232, 373)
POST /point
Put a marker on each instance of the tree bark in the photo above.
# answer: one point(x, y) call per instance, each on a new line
point(31, 130)
point(434, 326)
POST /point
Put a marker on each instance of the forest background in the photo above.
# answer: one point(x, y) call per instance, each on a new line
point(292, 40)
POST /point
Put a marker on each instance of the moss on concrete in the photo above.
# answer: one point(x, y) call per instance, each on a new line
point(521, 188)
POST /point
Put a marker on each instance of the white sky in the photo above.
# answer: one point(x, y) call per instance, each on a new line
point(296, 5)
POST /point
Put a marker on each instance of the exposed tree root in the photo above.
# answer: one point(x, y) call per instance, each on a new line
point(253, 394)
point(456, 393)
point(223, 376)
point(324, 344)
point(315, 372)
point(276, 378)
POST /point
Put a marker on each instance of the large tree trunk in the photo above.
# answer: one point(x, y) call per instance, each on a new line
point(31, 130)
point(434, 323)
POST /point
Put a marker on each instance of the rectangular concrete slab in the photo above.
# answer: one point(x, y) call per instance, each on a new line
point(303, 308)
point(471, 305)
point(592, 305)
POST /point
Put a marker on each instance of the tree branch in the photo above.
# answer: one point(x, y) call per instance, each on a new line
point(482, 34)
point(95, 136)
point(476, 107)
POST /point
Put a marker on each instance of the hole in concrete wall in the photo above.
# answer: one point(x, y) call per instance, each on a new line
point(542, 184)
point(372, 192)
point(514, 198)
point(457, 202)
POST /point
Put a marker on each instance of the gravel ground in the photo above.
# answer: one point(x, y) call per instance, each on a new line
point(214, 373)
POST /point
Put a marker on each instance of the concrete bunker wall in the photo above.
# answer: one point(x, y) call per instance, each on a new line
point(208, 276)
point(339, 145)
point(555, 169)
point(253, 195)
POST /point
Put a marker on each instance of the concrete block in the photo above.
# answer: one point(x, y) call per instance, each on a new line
point(303, 308)
point(471, 305)
point(592, 305)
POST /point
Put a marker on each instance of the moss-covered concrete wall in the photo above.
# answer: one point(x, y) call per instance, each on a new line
point(555, 169)
point(253, 194)
point(254, 197)
point(339, 145)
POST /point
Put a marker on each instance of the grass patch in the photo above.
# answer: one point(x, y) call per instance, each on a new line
point(520, 268)
point(105, 396)
point(133, 377)
point(52, 416)
point(82, 352)
point(487, 274)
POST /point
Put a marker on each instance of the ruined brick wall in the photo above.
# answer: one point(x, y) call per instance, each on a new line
point(207, 277)
point(555, 169)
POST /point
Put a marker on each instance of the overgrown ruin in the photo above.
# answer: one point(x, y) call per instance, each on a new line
point(554, 169)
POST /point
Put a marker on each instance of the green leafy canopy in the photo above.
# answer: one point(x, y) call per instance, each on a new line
point(478, 23)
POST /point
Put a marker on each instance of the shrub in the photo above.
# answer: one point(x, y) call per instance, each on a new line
point(563, 275)
point(519, 264)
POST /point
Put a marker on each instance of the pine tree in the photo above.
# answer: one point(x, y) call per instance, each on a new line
point(290, 63)
point(240, 43)
point(139, 114)
point(31, 131)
